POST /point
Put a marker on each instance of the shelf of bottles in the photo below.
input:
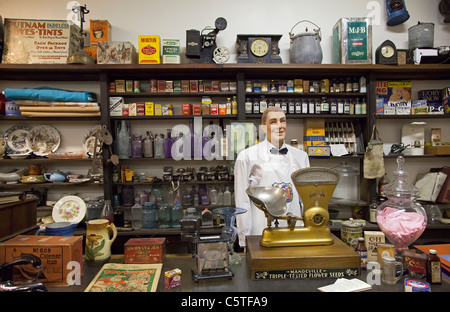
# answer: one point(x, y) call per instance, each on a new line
point(340, 96)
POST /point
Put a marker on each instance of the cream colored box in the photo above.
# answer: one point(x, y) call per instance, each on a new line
point(372, 238)
point(133, 109)
point(158, 110)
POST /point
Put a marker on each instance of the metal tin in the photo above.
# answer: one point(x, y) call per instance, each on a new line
point(352, 41)
point(145, 250)
point(350, 232)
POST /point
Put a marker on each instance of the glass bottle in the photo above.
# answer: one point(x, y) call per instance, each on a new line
point(119, 217)
point(168, 142)
point(234, 106)
point(203, 195)
point(107, 212)
point(227, 197)
point(187, 198)
point(148, 145)
point(219, 196)
point(177, 215)
point(213, 195)
point(434, 275)
point(248, 106)
point(228, 106)
point(164, 216)
point(158, 145)
point(224, 144)
point(362, 251)
point(136, 146)
point(149, 216)
point(136, 215)
point(123, 141)
point(372, 211)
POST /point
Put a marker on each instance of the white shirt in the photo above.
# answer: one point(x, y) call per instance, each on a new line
point(257, 166)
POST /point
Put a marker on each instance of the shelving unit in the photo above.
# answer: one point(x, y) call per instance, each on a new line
point(104, 74)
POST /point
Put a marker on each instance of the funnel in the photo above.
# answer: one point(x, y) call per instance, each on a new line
point(271, 200)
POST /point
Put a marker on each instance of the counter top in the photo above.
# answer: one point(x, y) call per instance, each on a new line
point(241, 281)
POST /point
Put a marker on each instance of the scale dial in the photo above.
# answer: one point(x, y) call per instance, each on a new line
point(315, 175)
point(259, 47)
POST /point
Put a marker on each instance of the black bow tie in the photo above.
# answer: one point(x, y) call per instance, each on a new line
point(283, 151)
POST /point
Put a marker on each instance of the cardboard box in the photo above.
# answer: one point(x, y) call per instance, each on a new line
point(116, 52)
point(100, 30)
point(55, 253)
point(437, 150)
point(372, 238)
point(149, 109)
point(149, 50)
point(434, 100)
point(172, 278)
point(92, 51)
point(39, 41)
point(116, 105)
point(145, 250)
point(186, 109)
point(314, 133)
point(171, 51)
point(352, 41)
point(445, 95)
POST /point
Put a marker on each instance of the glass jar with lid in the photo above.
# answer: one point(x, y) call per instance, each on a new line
point(401, 218)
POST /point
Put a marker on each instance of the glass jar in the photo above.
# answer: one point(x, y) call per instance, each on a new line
point(177, 215)
point(351, 231)
point(149, 216)
point(400, 218)
point(164, 216)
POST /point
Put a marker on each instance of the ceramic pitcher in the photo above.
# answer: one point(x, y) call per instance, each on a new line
point(98, 241)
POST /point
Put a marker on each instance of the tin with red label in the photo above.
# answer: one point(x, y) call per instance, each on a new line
point(145, 250)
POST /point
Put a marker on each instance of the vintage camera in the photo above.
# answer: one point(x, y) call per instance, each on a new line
point(202, 45)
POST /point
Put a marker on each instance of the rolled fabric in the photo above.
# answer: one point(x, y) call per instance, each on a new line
point(49, 94)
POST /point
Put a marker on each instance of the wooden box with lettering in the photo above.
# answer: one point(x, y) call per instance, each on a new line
point(39, 41)
point(61, 256)
point(145, 250)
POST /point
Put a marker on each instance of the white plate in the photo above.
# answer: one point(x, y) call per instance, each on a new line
point(69, 209)
point(16, 140)
point(43, 140)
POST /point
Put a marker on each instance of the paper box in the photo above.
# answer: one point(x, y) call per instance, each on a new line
point(39, 41)
point(372, 238)
point(92, 51)
point(145, 250)
point(171, 51)
point(100, 30)
point(149, 50)
point(116, 52)
point(55, 252)
point(434, 100)
point(172, 278)
point(116, 105)
point(352, 41)
point(445, 95)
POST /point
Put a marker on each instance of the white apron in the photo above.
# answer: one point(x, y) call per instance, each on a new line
point(277, 176)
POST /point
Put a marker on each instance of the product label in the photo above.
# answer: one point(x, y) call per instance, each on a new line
point(357, 41)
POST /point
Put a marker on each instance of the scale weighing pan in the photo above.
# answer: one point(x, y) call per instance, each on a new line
point(270, 199)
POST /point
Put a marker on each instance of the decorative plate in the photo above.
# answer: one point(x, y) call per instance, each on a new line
point(43, 140)
point(16, 140)
point(69, 209)
point(89, 141)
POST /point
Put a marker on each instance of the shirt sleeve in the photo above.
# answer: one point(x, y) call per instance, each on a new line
point(241, 183)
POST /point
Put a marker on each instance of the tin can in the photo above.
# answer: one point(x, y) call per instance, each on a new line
point(137, 86)
point(145, 250)
point(172, 278)
point(350, 232)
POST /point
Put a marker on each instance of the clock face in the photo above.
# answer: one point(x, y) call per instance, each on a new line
point(387, 51)
point(259, 47)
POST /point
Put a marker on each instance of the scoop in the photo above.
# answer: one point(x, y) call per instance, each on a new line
point(271, 200)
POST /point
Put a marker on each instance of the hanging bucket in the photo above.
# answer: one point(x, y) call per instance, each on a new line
point(305, 47)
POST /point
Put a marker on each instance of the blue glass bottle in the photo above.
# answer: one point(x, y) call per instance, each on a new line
point(177, 215)
point(164, 216)
point(149, 216)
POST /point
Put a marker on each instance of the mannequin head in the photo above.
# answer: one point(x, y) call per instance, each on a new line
point(273, 123)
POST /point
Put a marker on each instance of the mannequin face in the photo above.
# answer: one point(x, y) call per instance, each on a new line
point(275, 128)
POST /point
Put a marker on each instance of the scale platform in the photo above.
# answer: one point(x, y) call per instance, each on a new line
point(305, 262)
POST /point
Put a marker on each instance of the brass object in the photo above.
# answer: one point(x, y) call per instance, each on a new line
point(315, 185)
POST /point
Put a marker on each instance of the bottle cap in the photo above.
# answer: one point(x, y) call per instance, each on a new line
point(432, 251)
